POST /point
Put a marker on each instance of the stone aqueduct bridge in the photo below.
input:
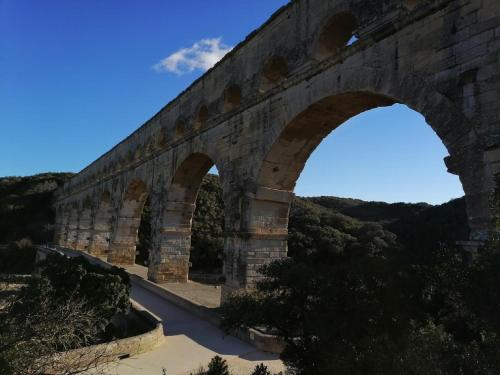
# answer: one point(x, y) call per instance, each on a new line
point(260, 112)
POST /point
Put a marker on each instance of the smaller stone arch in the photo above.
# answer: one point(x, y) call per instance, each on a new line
point(201, 117)
point(274, 71)
point(169, 258)
point(232, 97)
point(179, 129)
point(335, 35)
point(124, 238)
point(162, 138)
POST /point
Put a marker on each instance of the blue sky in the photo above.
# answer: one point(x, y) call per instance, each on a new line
point(76, 77)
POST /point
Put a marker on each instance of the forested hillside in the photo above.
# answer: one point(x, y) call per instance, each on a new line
point(25, 206)
point(418, 227)
point(337, 223)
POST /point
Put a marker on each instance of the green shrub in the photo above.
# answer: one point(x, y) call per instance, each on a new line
point(372, 313)
point(217, 366)
point(207, 242)
point(25, 207)
point(71, 305)
point(262, 370)
point(107, 290)
point(18, 258)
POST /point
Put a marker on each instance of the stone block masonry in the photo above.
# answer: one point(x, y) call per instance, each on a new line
point(262, 110)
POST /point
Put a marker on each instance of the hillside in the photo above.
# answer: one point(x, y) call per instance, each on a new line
point(25, 206)
point(417, 225)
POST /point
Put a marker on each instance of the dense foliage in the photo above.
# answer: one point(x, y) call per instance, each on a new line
point(106, 289)
point(355, 299)
point(144, 240)
point(371, 313)
point(418, 226)
point(25, 207)
point(207, 242)
point(18, 258)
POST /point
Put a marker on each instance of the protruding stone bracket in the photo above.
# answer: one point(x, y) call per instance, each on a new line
point(492, 157)
point(274, 195)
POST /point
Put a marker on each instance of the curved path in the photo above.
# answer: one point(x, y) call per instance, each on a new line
point(191, 342)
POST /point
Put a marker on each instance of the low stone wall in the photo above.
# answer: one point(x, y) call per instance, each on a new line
point(14, 278)
point(109, 353)
point(260, 340)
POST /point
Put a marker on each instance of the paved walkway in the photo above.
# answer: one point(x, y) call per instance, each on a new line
point(191, 342)
point(201, 294)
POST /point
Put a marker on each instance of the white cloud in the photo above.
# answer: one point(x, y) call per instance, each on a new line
point(202, 55)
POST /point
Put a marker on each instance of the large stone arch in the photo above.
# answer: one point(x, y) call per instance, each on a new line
point(169, 260)
point(123, 242)
point(309, 115)
point(373, 87)
point(336, 96)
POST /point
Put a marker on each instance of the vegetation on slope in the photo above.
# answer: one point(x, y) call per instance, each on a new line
point(25, 207)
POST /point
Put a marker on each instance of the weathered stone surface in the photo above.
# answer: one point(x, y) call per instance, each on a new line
point(262, 111)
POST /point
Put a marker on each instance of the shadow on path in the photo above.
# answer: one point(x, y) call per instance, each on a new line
point(178, 322)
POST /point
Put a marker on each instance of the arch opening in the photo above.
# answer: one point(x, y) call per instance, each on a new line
point(275, 71)
point(201, 117)
point(287, 157)
point(180, 128)
point(416, 225)
point(335, 35)
point(122, 249)
point(232, 98)
point(144, 243)
point(162, 139)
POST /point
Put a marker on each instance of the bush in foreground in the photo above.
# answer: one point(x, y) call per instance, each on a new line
point(218, 366)
point(69, 307)
point(369, 312)
point(18, 258)
point(107, 290)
